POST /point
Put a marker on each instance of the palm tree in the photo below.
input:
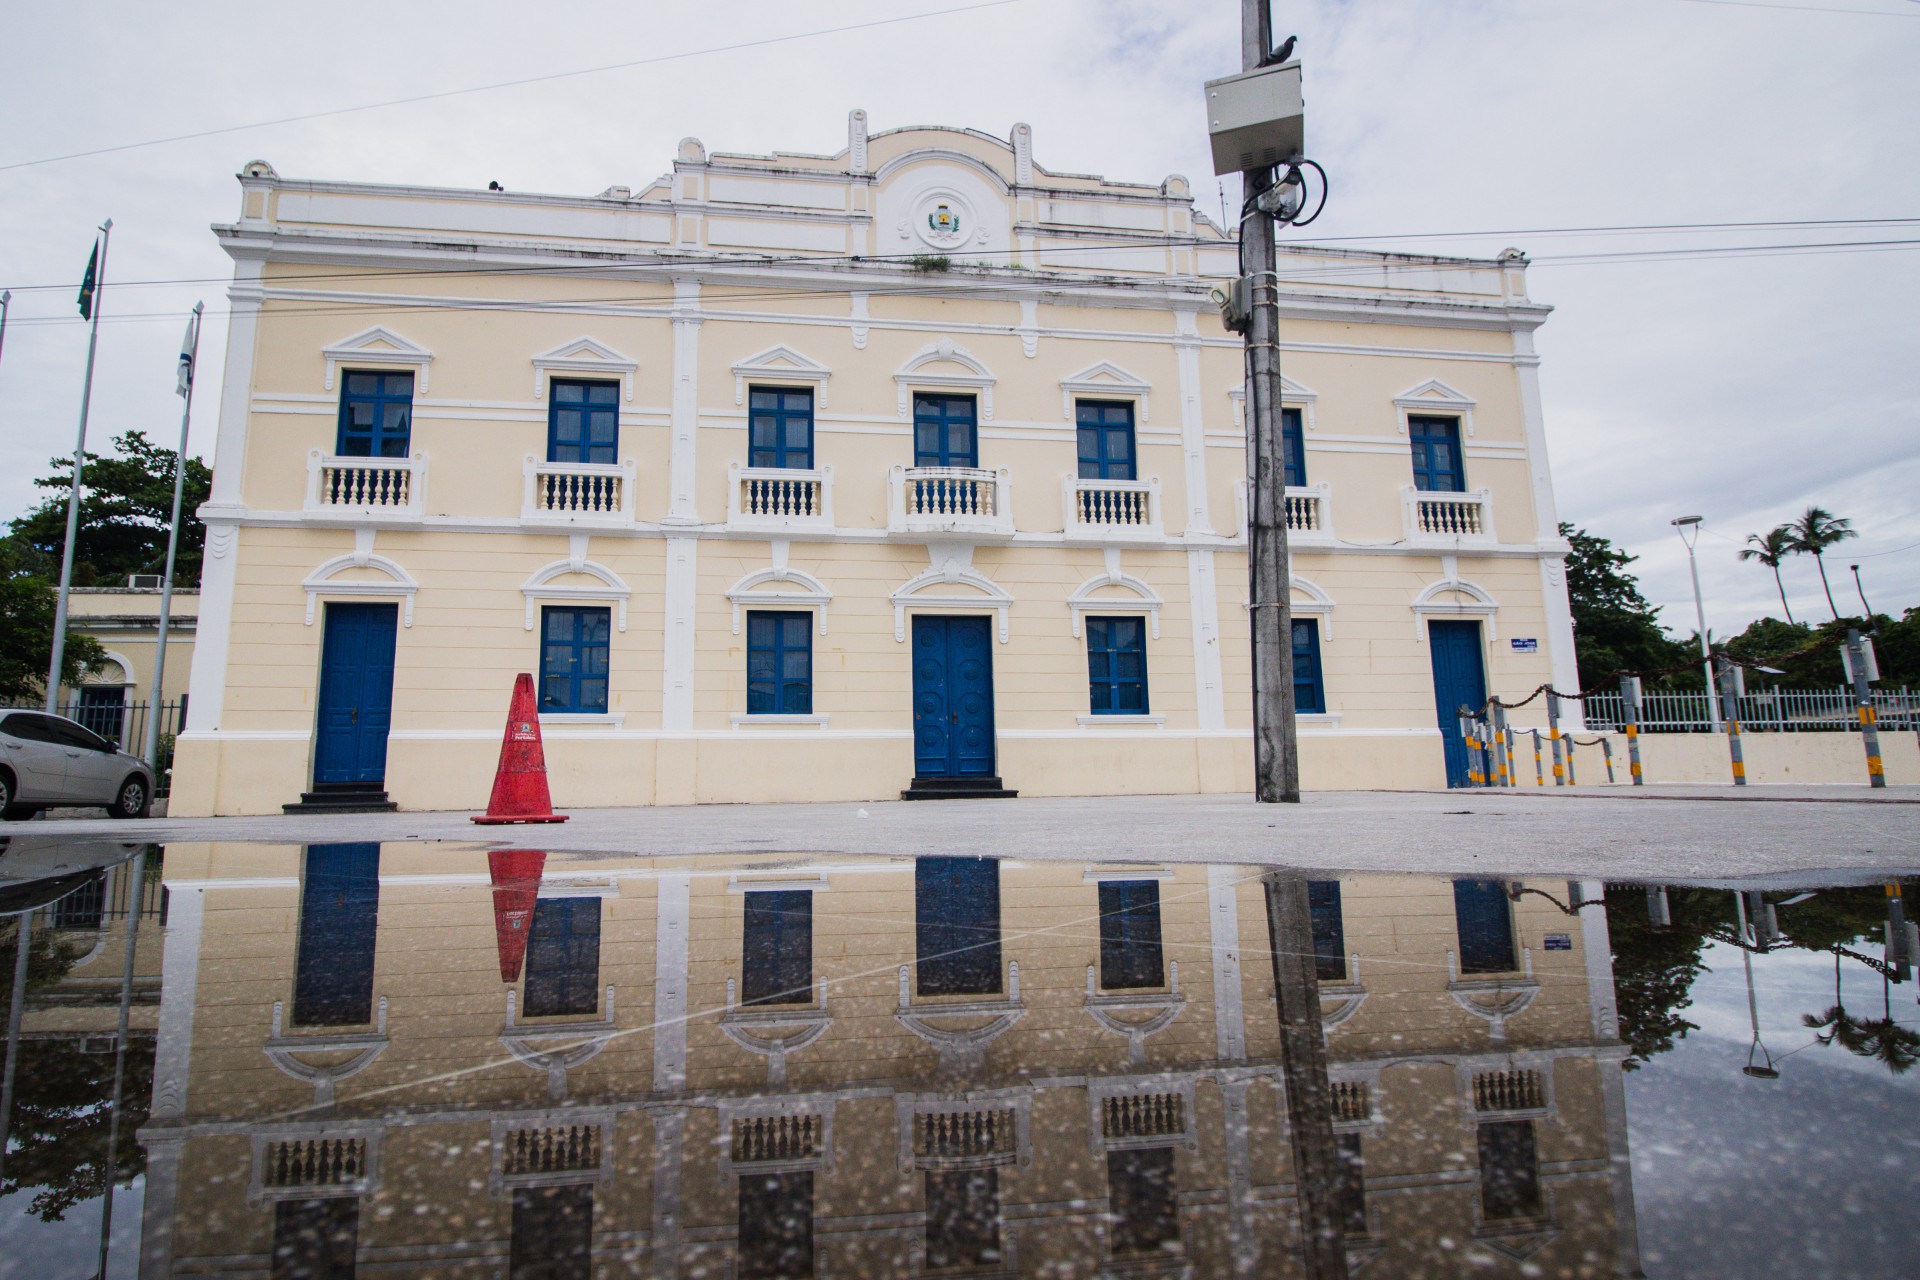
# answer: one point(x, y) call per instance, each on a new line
point(1813, 533)
point(1770, 550)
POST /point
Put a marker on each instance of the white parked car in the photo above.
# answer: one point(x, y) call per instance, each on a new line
point(48, 761)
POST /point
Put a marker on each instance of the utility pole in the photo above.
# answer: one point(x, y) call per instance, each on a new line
point(1276, 759)
point(1689, 530)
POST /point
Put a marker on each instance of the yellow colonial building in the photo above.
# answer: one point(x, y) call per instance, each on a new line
point(914, 468)
point(429, 1060)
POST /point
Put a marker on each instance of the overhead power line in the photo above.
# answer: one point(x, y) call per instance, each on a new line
point(1803, 8)
point(509, 84)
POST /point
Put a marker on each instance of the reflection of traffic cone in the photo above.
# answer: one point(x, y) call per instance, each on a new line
point(520, 783)
point(516, 887)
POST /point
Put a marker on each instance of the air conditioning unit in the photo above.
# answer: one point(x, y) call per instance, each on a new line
point(144, 581)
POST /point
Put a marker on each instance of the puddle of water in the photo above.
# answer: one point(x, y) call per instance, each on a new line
point(420, 1058)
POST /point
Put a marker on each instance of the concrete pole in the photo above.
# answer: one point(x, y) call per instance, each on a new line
point(73, 496)
point(1309, 1095)
point(1863, 705)
point(1734, 751)
point(1276, 764)
point(21, 950)
point(1630, 712)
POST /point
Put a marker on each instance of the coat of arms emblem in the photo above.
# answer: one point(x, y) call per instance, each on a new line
point(943, 222)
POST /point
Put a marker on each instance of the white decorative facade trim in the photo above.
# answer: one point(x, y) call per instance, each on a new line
point(951, 571)
point(1083, 600)
point(1479, 604)
point(804, 591)
point(400, 584)
point(377, 346)
point(781, 364)
point(586, 356)
point(1317, 604)
point(914, 375)
point(1434, 396)
point(1104, 379)
point(1292, 395)
point(541, 585)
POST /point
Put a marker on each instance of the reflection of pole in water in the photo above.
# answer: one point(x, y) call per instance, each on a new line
point(1766, 1072)
point(136, 892)
point(1296, 988)
point(23, 932)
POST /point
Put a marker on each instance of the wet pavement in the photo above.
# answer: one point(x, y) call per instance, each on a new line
point(457, 1058)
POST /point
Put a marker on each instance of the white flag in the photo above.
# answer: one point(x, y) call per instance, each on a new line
point(187, 347)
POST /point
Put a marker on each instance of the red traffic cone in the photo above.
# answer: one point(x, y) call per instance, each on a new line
point(516, 888)
point(520, 783)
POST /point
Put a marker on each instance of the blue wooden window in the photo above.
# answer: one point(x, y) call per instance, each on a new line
point(776, 951)
point(779, 663)
point(563, 957)
point(552, 1233)
point(1309, 691)
point(339, 924)
point(963, 1219)
point(1129, 934)
point(945, 432)
point(1437, 467)
point(1509, 1170)
point(776, 1225)
point(583, 421)
point(315, 1239)
point(1293, 446)
point(376, 415)
point(1329, 930)
point(1106, 439)
point(957, 925)
point(1140, 1192)
point(1117, 666)
point(1484, 919)
point(574, 644)
point(780, 427)
point(1350, 1184)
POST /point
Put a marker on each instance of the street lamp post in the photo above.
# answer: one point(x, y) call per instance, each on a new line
point(1689, 529)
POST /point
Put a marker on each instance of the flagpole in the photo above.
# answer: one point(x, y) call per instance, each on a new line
point(73, 498)
point(189, 358)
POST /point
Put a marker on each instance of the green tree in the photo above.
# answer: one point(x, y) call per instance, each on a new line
point(1654, 969)
point(124, 512)
point(1614, 628)
point(1771, 550)
point(26, 633)
point(1813, 533)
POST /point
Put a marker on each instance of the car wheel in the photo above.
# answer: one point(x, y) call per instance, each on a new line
point(7, 808)
point(131, 801)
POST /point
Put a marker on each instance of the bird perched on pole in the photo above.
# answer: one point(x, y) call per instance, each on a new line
point(1281, 54)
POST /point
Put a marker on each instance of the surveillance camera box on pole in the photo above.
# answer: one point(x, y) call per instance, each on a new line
point(1257, 119)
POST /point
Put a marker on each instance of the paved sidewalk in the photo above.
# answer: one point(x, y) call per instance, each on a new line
point(1648, 833)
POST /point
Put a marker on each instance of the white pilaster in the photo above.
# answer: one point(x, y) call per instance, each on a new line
point(1563, 665)
point(173, 1058)
point(676, 693)
point(207, 677)
point(1601, 996)
point(1243, 1241)
point(683, 506)
point(1223, 918)
point(1203, 597)
point(669, 1142)
point(670, 982)
point(1193, 444)
point(236, 383)
point(1526, 367)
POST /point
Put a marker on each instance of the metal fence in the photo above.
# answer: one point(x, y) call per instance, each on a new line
point(1762, 710)
point(123, 723)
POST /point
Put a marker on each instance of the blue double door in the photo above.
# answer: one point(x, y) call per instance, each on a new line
point(1459, 680)
point(952, 698)
point(356, 695)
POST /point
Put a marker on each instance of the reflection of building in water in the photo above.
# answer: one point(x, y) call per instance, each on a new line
point(841, 1067)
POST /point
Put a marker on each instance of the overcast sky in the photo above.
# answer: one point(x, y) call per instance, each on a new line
point(1740, 388)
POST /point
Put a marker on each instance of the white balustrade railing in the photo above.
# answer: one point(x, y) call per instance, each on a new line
point(577, 491)
point(1309, 511)
point(779, 496)
point(382, 486)
point(950, 500)
point(1446, 517)
point(1112, 506)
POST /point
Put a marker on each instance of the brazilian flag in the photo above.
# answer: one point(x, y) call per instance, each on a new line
point(86, 284)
